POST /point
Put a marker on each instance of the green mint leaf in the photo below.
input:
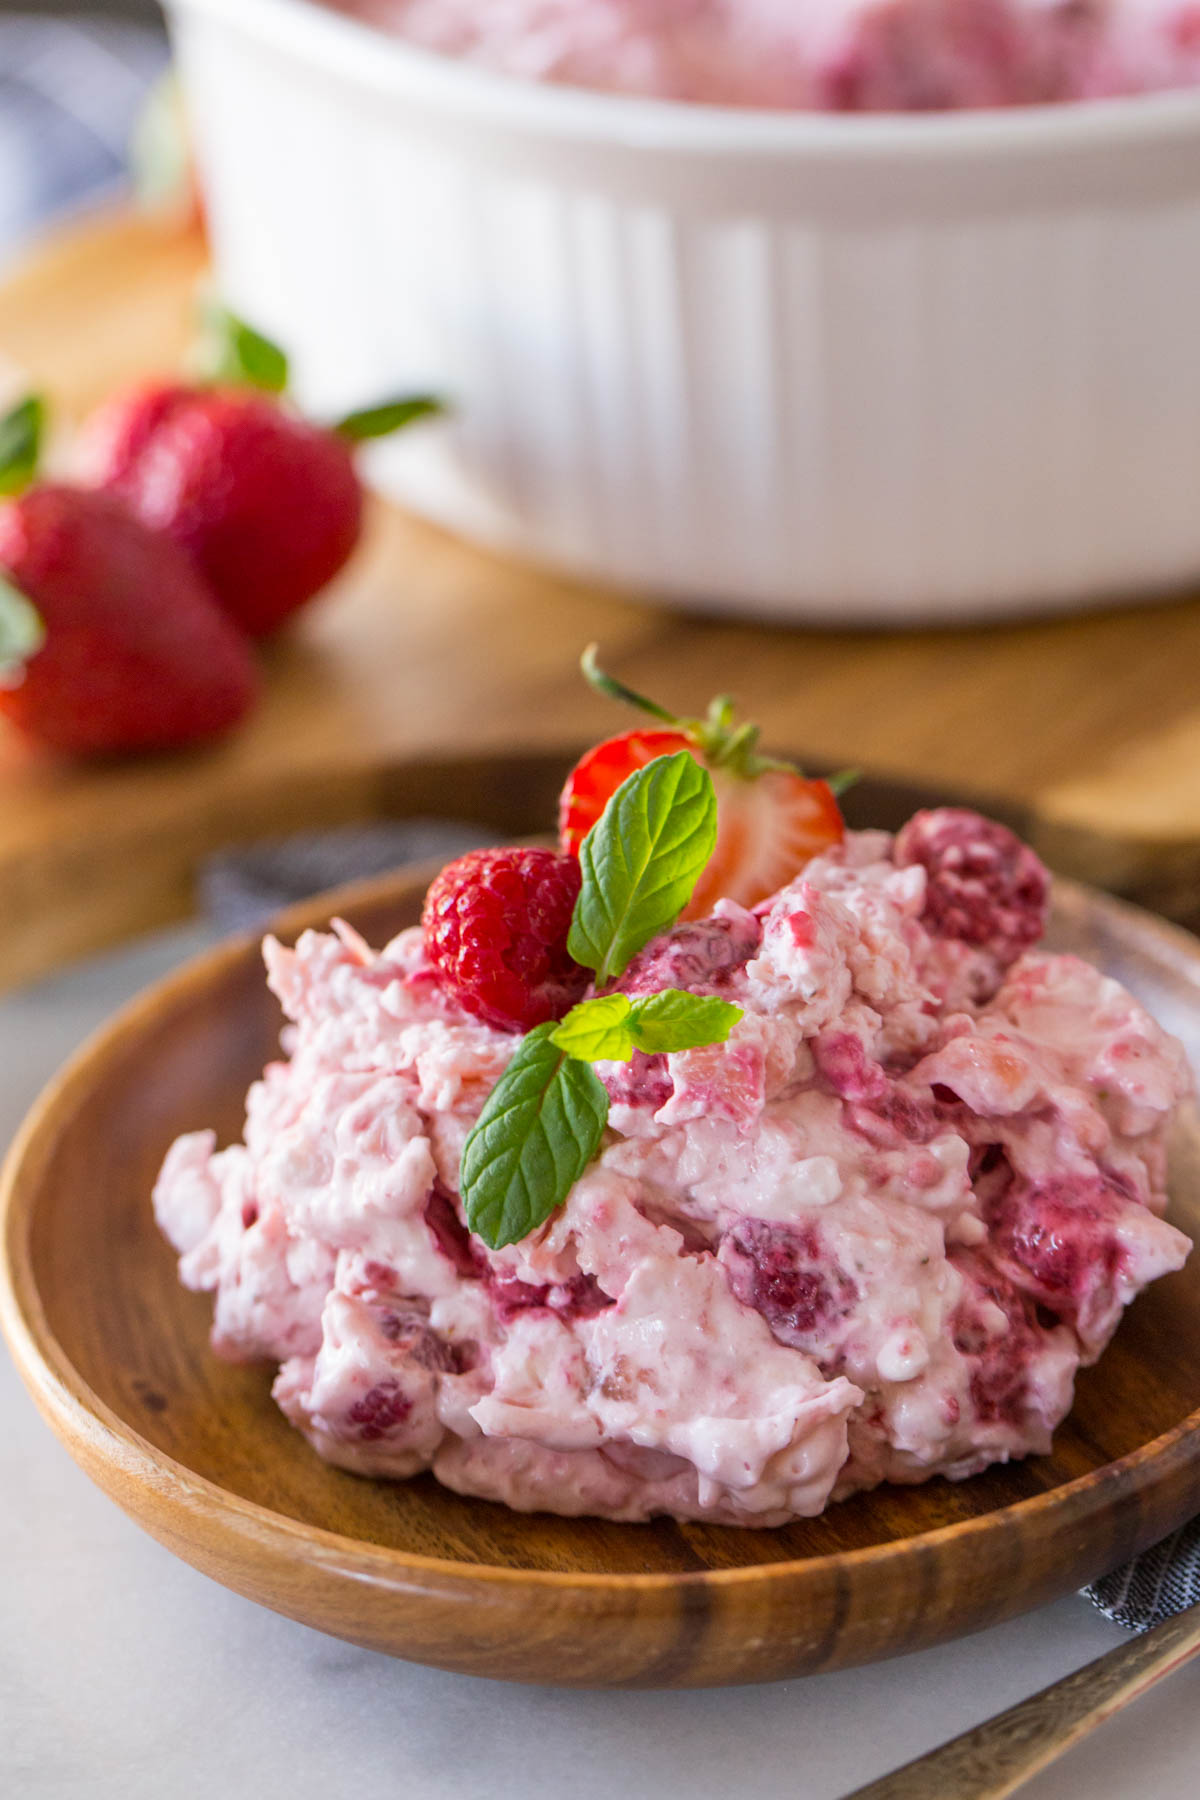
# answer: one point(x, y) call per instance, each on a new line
point(539, 1129)
point(611, 1027)
point(21, 444)
point(677, 1020)
point(598, 1030)
point(641, 860)
point(233, 352)
point(22, 633)
point(394, 415)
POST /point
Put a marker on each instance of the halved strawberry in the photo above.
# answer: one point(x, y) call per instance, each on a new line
point(772, 819)
point(597, 776)
point(768, 827)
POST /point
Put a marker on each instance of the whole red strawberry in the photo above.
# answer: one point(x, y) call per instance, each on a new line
point(109, 640)
point(771, 818)
point(496, 925)
point(268, 506)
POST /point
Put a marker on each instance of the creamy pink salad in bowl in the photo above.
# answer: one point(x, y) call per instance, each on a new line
point(892, 1189)
point(825, 55)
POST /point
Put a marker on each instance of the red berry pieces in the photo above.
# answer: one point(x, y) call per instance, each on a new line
point(581, 1297)
point(702, 955)
point(380, 1412)
point(985, 886)
point(1000, 1362)
point(642, 1081)
point(1060, 1238)
point(135, 652)
point(783, 1273)
point(267, 506)
point(496, 925)
point(597, 776)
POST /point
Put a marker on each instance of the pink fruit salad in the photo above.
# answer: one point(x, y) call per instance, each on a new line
point(821, 55)
point(840, 1190)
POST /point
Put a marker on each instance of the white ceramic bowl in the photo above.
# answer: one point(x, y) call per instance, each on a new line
point(846, 368)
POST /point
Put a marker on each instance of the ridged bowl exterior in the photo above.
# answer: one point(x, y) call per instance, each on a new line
point(889, 369)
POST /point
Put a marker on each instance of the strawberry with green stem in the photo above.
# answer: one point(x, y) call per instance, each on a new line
point(772, 818)
point(109, 640)
point(267, 504)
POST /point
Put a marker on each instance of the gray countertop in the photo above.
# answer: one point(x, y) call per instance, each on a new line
point(124, 1675)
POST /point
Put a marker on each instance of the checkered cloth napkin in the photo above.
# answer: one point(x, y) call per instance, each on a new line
point(1155, 1586)
point(241, 890)
point(71, 91)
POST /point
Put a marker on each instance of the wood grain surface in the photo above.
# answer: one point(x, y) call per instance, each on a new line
point(427, 647)
point(117, 1357)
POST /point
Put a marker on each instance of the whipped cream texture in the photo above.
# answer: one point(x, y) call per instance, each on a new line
point(870, 1238)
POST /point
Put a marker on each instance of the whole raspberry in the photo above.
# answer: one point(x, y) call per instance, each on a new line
point(496, 925)
point(985, 886)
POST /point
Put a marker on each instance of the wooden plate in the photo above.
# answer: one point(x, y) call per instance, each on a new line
point(116, 1355)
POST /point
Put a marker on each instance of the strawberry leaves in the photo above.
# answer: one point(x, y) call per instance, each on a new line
point(538, 1131)
point(640, 862)
point(231, 353)
point(719, 741)
point(392, 415)
point(544, 1120)
point(22, 633)
point(21, 432)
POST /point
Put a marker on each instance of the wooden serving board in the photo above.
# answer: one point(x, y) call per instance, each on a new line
point(428, 647)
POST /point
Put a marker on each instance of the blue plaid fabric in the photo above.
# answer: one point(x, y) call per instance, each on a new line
point(71, 90)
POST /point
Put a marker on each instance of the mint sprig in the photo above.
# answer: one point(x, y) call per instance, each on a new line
point(599, 1030)
point(675, 1020)
point(640, 862)
point(543, 1122)
point(612, 1026)
point(539, 1129)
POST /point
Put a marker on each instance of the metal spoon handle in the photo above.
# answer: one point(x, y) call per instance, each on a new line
point(998, 1756)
